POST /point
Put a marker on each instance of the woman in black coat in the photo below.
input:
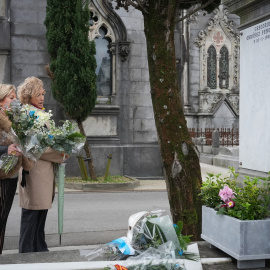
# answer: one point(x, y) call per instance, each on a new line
point(8, 181)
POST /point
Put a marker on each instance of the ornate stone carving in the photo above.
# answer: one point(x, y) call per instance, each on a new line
point(221, 18)
point(234, 101)
point(113, 48)
point(218, 38)
point(219, 33)
point(124, 49)
point(96, 22)
point(193, 18)
point(201, 38)
point(209, 101)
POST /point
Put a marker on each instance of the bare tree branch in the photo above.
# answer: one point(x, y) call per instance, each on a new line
point(189, 2)
point(133, 4)
point(140, 4)
point(194, 11)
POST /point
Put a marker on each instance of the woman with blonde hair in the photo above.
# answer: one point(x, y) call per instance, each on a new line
point(8, 181)
point(37, 193)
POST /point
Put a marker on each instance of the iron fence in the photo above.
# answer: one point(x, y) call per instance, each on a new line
point(227, 136)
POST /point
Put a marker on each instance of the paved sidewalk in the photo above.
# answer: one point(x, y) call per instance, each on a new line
point(161, 185)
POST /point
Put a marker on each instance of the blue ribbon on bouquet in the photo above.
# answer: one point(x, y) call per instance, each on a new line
point(124, 247)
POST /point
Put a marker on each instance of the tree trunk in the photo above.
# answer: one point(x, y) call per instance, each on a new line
point(87, 152)
point(179, 156)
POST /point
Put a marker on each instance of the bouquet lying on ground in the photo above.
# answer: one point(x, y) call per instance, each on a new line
point(150, 237)
point(34, 131)
point(146, 265)
point(248, 202)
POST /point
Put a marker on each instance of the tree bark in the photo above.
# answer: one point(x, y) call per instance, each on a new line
point(87, 152)
point(179, 155)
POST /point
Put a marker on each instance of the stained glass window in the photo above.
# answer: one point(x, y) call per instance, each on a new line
point(224, 68)
point(104, 63)
point(212, 68)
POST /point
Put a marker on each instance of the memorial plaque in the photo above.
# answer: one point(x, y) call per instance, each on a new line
point(254, 152)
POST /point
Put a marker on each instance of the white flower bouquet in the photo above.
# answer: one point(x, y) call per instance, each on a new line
point(34, 131)
point(65, 138)
point(150, 236)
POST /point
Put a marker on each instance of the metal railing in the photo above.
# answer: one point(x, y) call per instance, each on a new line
point(227, 136)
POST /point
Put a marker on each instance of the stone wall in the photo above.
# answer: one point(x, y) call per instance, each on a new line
point(137, 131)
point(125, 128)
point(4, 42)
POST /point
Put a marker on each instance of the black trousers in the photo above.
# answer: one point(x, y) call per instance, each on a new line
point(32, 233)
point(8, 188)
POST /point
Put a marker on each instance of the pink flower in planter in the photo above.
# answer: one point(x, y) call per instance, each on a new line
point(230, 204)
point(226, 194)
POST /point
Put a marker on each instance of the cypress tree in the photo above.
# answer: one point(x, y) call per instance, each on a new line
point(72, 64)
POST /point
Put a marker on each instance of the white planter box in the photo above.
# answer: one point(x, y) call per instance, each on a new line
point(247, 241)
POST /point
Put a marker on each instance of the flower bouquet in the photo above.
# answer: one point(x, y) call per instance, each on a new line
point(7, 162)
point(146, 265)
point(65, 138)
point(150, 236)
point(248, 202)
point(34, 131)
point(29, 128)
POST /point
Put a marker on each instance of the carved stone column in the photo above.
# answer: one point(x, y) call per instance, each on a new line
point(185, 65)
point(4, 42)
point(113, 50)
point(217, 73)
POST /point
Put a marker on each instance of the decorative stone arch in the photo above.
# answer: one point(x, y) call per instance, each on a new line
point(104, 16)
point(97, 21)
point(220, 34)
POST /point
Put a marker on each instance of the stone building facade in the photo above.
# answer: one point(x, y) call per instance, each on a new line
point(122, 123)
point(210, 69)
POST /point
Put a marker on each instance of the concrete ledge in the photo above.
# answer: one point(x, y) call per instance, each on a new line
point(206, 158)
point(206, 261)
point(71, 260)
point(226, 161)
point(106, 186)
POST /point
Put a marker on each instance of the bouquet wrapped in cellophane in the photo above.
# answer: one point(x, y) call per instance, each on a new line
point(65, 138)
point(34, 131)
point(7, 161)
point(152, 242)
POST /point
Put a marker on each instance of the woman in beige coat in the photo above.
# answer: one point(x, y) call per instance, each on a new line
point(37, 188)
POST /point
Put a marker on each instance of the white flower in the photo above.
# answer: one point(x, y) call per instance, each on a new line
point(42, 118)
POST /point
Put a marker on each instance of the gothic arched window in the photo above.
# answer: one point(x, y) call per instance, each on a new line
point(224, 68)
point(101, 32)
point(212, 67)
point(104, 63)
